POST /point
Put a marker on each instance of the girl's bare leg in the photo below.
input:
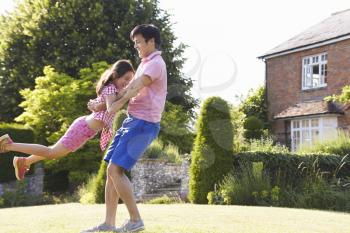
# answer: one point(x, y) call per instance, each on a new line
point(39, 152)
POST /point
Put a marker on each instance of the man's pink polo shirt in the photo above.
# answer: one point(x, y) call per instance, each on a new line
point(149, 104)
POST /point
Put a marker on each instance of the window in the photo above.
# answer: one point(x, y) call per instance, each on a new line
point(307, 131)
point(314, 72)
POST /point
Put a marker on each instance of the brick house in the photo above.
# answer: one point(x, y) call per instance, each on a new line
point(300, 73)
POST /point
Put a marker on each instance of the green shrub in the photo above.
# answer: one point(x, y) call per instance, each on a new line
point(164, 200)
point(20, 197)
point(16, 197)
point(98, 190)
point(2, 202)
point(266, 145)
point(18, 133)
point(119, 118)
point(237, 118)
point(323, 189)
point(212, 152)
point(86, 192)
point(155, 150)
point(318, 181)
point(251, 187)
point(253, 128)
point(175, 127)
point(172, 154)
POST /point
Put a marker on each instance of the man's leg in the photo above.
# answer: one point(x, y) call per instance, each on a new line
point(124, 188)
point(111, 199)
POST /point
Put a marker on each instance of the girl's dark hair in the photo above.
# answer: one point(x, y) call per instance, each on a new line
point(148, 31)
point(117, 70)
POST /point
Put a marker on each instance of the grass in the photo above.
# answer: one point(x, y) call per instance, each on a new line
point(176, 218)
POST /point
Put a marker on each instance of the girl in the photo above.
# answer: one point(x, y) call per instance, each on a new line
point(82, 129)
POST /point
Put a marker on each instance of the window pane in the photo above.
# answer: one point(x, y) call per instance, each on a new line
point(314, 71)
point(305, 136)
point(314, 122)
point(295, 140)
point(315, 75)
point(315, 133)
point(296, 124)
point(329, 122)
point(329, 133)
point(329, 128)
point(305, 123)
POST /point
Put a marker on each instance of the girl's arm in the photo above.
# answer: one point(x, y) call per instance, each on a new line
point(129, 92)
point(96, 107)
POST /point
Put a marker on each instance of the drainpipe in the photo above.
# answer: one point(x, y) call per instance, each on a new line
point(266, 101)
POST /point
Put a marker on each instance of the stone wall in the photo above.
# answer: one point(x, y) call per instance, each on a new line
point(149, 176)
point(34, 183)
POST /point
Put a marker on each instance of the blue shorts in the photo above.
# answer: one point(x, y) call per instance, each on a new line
point(131, 141)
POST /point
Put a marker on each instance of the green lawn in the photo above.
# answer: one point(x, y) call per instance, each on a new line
point(179, 218)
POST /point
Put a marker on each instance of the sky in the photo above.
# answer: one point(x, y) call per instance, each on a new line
point(225, 37)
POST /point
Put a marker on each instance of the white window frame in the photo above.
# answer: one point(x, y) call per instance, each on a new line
point(310, 80)
point(327, 126)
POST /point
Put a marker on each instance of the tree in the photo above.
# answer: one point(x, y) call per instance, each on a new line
point(238, 118)
point(212, 156)
point(343, 97)
point(71, 34)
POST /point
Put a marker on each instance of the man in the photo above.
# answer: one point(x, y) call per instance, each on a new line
point(147, 94)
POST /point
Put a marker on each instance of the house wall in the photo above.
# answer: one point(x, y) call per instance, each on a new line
point(284, 79)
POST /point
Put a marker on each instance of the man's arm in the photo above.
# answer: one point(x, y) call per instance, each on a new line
point(131, 91)
point(93, 106)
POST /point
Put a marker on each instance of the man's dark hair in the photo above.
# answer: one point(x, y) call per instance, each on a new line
point(148, 31)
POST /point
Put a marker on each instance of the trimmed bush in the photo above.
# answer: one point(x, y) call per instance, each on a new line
point(18, 133)
point(287, 169)
point(99, 186)
point(212, 152)
point(253, 128)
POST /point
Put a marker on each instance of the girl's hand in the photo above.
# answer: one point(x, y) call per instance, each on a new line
point(96, 106)
point(92, 106)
